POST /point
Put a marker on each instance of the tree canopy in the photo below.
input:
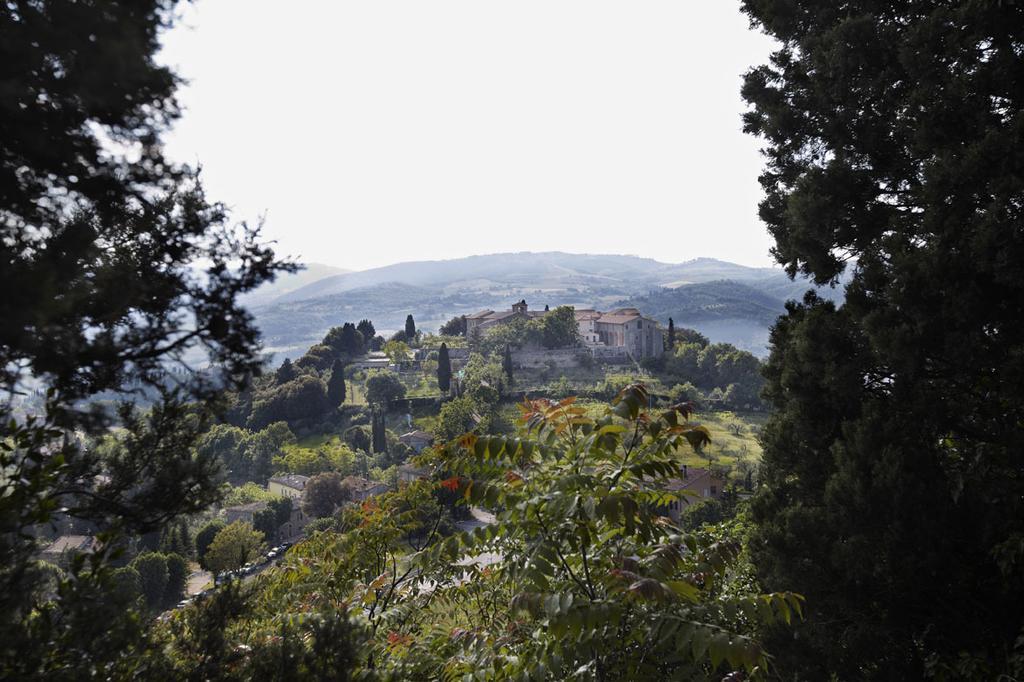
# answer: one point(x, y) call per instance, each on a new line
point(234, 546)
point(891, 488)
point(382, 387)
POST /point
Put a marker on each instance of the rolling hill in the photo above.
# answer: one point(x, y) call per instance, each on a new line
point(725, 301)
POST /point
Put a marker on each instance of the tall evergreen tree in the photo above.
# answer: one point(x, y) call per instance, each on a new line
point(410, 327)
point(365, 327)
point(114, 266)
point(378, 432)
point(671, 334)
point(444, 369)
point(336, 384)
point(506, 365)
point(893, 494)
point(285, 373)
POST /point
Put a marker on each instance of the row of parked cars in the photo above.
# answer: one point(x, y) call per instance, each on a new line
point(255, 566)
point(248, 569)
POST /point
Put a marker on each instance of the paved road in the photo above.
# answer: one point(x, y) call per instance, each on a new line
point(197, 581)
point(478, 518)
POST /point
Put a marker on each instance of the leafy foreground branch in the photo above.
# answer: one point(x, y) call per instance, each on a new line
point(580, 576)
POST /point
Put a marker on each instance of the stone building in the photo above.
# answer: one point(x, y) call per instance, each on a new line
point(695, 484)
point(621, 334)
point(291, 485)
point(628, 329)
point(485, 319)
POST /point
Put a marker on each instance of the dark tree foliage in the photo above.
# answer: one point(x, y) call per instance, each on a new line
point(506, 365)
point(382, 387)
point(454, 327)
point(410, 327)
point(303, 398)
point(893, 496)
point(378, 432)
point(204, 537)
point(175, 539)
point(336, 384)
point(285, 373)
point(345, 340)
point(365, 327)
point(269, 521)
point(324, 493)
point(319, 357)
point(113, 266)
point(671, 342)
point(558, 328)
point(358, 438)
point(444, 369)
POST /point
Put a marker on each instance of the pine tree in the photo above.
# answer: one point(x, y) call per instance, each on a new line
point(444, 369)
point(671, 334)
point(336, 384)
point(410, 327)
point(506, 365)
point(891, 490)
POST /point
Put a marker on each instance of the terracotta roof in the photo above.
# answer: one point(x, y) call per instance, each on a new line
point(620, 316)
point(587, 314)
point(479, 315)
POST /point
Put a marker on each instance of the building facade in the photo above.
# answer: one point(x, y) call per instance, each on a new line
point(621, 334)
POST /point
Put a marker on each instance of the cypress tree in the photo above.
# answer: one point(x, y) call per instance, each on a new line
point(671, 334)
point(336, 389)
point(444, 369)
point(506, 364)
point(285, 373)
point(378, 436)
point(891, 491)
point(410, 327)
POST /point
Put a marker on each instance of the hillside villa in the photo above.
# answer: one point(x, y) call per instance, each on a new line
point(624, 332)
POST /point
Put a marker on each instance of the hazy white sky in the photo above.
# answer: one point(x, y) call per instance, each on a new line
point(381, 131)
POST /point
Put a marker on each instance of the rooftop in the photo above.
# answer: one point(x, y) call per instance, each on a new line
point(296, 481)
point(418, 435)
point(361, 484)
point(69, 543)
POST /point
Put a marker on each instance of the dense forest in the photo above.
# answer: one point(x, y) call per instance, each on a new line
point(414, 506)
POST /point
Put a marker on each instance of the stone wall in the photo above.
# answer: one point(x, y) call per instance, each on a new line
point(536, 359)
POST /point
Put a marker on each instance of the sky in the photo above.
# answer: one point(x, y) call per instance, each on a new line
point(381, 131)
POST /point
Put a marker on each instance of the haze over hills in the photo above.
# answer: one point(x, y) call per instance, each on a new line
point(284, 284)
point(533, 270)
point(726, 301)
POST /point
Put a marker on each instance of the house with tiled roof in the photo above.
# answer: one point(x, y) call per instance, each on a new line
point(291, 485)
point(363, 488)
point(694, 484)
point(485, 319)
point(623, 333)
point(417, 440)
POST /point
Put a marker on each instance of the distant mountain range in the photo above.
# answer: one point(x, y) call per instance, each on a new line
point(725, 301)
